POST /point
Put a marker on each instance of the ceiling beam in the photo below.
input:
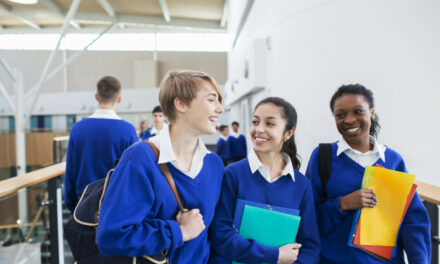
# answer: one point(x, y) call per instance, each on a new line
point(70, 14)
point(165, 12)
point(225, 14)
point(58, 10)
point(135, 20)
point(107, 8)
point(25, 20)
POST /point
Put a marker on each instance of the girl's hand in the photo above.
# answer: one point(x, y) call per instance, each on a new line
point(358, 199)
point(191, 223)
point(288, 253)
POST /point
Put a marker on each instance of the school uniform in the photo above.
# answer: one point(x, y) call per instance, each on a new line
point(138, 214)
point(347, 170)
point(237, 146)
point(249, 179)
point(95, 143)
point(152, 131)
point(222, 149)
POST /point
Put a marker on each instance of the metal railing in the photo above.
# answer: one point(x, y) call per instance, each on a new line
point(41, 237)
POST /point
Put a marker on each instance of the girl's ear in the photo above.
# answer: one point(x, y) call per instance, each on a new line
point(180, 106)
point(289, 134)
point(373, 115)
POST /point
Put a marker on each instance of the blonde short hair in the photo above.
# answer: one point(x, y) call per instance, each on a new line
point(183, 85)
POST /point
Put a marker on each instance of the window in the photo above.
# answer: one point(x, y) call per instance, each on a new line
point(70, 120)
point(41, 123)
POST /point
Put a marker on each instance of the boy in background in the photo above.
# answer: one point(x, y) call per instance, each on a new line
point(158, 125)
point(237, 143)
point(222, 145)
point(96, 142)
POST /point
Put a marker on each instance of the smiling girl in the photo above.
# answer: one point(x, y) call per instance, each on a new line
point(268, 175)
point(139, 215)
point(353, 109)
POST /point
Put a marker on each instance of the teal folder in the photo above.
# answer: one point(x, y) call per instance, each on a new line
point(270, 228)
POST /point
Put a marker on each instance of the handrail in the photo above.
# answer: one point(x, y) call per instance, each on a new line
point(12, 185)
point(428, 192)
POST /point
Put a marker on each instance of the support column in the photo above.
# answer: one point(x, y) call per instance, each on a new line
point(20, 144)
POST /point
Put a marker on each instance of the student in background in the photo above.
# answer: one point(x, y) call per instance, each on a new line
point(222, 148)
point(268, 175)
point(143, 126)
point(237, 144)
point(357, 122)
point(139, 215)
point(158, 124)
point(96, 142)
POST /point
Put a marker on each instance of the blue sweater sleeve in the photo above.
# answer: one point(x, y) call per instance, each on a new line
point(415, 231)
point(70, 195)
point(146, 135)
point(126, 226)
point(328, 213)
point(244, 146)
point(220, 147)
point(133, 138)
point(226, 241)
point(308, 234)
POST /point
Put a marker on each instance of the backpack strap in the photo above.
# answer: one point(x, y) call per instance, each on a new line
point(167, 174)
point(324, 163)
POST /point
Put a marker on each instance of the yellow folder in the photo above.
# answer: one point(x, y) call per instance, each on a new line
point(380, 224)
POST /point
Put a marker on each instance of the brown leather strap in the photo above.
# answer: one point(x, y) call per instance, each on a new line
point(167, 174)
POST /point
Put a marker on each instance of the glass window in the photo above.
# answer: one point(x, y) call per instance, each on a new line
point(70, 120)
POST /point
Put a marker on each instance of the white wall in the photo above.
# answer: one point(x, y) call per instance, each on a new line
point(390, 46)
point(83, 73)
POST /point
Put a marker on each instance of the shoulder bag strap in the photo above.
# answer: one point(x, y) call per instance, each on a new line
point(324, 162)
point(167, 174)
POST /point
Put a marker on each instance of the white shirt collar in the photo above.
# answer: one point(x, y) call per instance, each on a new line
point(105, 113)
point(234, 134)
point(223, 137)
point(378, 148)
point(163, 143)
point(255, 164)
point(157, 132)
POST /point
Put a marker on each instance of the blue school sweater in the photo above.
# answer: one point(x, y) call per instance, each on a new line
point(222, 149)
point(334, 225)
point(237, 146)
point(94, 146)
point(240, 183)
point(147, 134)
point(138, 215)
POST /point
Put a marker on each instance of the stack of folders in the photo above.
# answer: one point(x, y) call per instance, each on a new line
point(375, 230)
point(273, 226)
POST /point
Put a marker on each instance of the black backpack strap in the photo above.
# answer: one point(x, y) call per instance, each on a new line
point(324, 163)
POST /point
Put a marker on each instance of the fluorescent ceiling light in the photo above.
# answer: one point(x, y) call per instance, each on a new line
point(25, 2)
